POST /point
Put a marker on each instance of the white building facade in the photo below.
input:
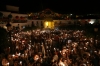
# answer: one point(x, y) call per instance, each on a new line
point(22, 20)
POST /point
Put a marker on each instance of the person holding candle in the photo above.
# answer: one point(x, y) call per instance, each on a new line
point(5, 62)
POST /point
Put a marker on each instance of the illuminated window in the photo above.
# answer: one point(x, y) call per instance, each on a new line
point(49, 24)
point(46, 23)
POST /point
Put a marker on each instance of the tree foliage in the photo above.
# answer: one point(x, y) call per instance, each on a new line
point(9, 16)
point(3, 39)
point(1, 15)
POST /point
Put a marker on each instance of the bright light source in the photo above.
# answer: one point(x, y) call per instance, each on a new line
point(92, 21)
point(46, 23)
point(49, 24)
point(23, 27)
point(71, 14)
point(4, 27)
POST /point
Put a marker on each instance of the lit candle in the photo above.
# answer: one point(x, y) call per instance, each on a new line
point(54, 49)
point(8, 64)
point(96, 41)
point(72, 51)
point(95, 51)
point(18, 54)
point(87, 62)
point(63, 53)
point(88, 54)
point(26, 54)
point(20, 62)
point(13, 55)
point(60, 51)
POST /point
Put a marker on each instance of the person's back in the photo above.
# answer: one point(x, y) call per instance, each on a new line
point(95, 60)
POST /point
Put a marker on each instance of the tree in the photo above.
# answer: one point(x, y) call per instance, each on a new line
point(1, 15)
point(9, 16)
point(3, 39)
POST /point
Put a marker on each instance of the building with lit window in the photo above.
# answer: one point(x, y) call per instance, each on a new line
point(45, 19)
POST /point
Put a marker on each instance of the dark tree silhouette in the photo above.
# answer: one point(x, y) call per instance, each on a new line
point(9, 16)
point(1, 15)
point(3, 39)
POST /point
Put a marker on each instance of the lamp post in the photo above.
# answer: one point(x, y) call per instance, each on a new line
point(8, 25)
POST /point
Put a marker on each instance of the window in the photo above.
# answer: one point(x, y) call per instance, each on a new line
point(37, 23)
point(41, 23)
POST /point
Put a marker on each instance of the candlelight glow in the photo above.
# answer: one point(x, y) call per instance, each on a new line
point(49, 24)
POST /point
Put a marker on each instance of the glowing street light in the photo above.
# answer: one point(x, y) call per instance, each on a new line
point(71, 14)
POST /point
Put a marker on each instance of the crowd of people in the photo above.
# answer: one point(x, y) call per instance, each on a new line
point(51, 48)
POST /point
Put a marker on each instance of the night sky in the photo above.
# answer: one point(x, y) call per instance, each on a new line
point(60, 6)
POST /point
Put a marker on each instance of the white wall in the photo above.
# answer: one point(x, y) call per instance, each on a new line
point(64, 21)
point(29, 22)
